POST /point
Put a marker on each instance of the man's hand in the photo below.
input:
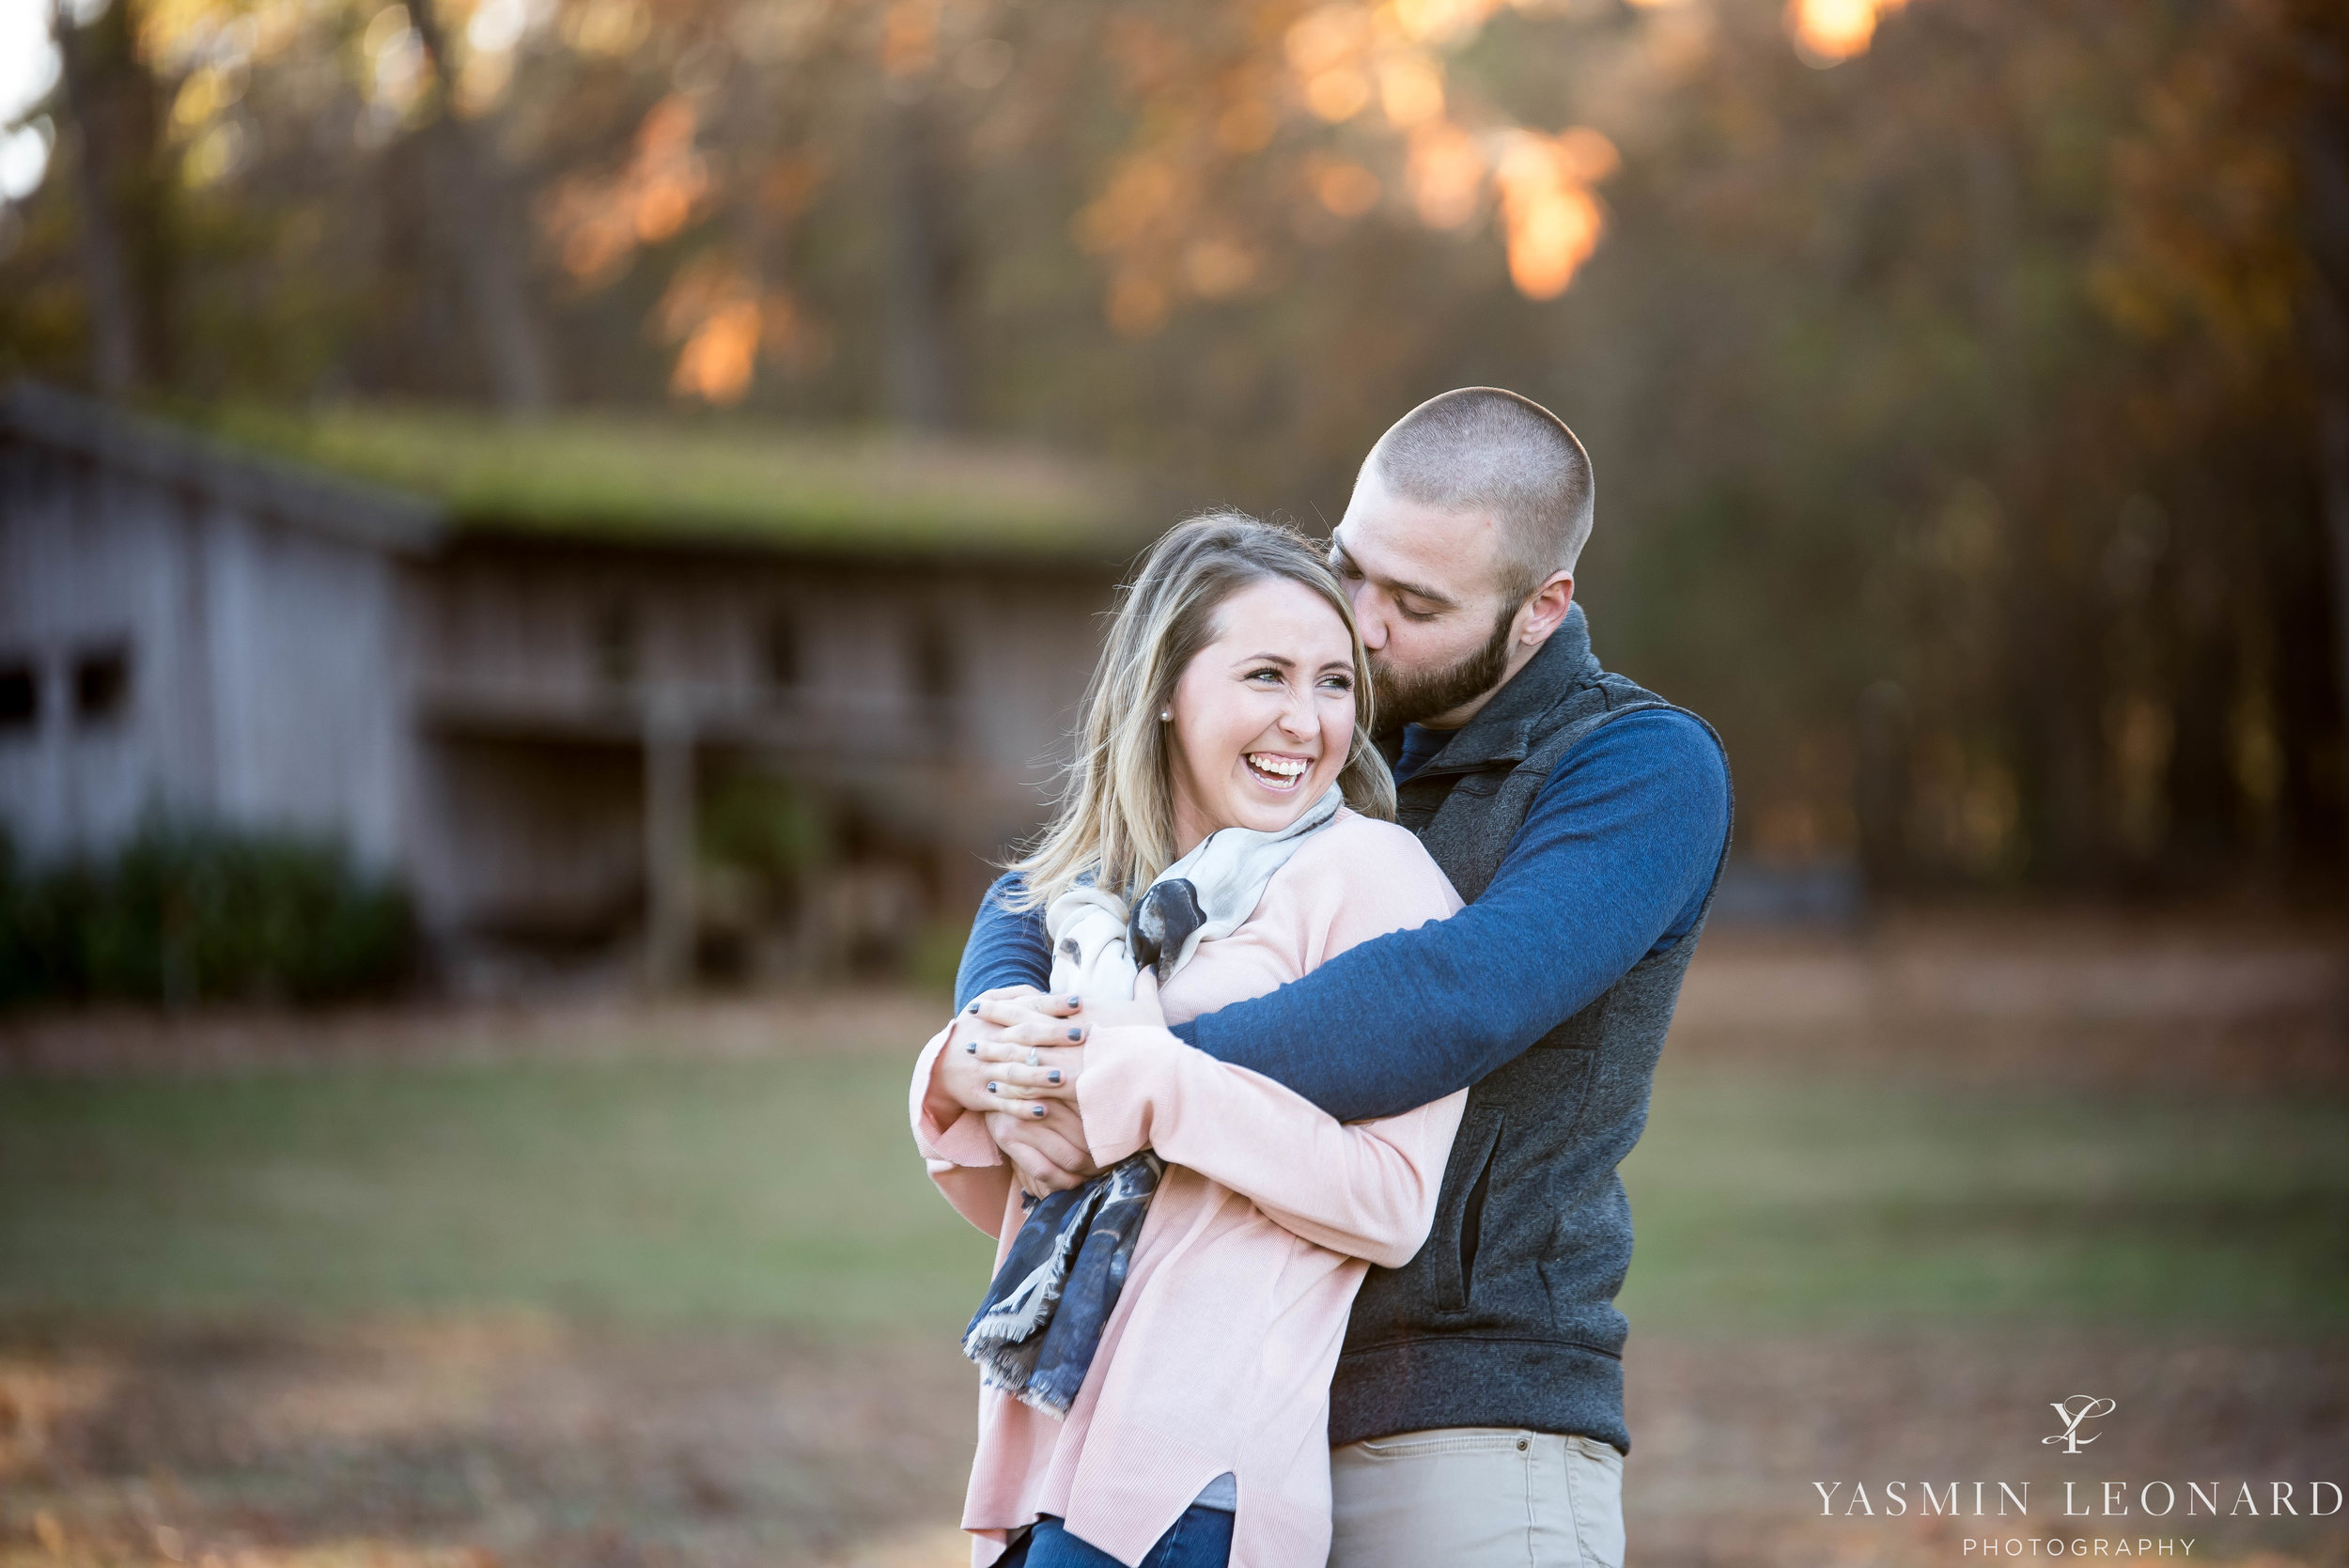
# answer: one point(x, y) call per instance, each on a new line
point(1049, 1154)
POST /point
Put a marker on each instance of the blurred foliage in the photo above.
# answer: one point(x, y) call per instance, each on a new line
point(182, 913)
point(1953, 406)
point(934, 958)
point(764, 823)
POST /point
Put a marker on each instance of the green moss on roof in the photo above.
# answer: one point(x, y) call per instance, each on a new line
point(648, 480)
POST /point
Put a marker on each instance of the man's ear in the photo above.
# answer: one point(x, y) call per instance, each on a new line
point(1546, 612)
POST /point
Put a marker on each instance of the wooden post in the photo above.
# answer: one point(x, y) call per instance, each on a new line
point(669, 836)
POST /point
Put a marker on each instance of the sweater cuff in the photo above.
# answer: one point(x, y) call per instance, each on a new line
point(963, 1140)
point(1124, 1064)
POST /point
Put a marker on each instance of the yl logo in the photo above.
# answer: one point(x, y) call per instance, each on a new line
point(2078, 1408)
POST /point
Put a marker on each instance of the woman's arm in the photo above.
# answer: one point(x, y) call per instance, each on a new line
point(962, 1158)
point(1367, 1189)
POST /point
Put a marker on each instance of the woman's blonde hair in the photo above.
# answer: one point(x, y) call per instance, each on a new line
point(1116, 816)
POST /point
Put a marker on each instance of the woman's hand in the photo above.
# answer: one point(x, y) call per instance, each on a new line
point(1032, 1057)
point(1019, 1046)
point(959, 1081)
point(1018, 1080)
point(1024, 1016)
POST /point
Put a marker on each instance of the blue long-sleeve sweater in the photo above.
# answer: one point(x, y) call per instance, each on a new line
point(1612, 864)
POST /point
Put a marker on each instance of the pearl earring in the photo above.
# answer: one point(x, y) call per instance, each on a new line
point(1166, 715)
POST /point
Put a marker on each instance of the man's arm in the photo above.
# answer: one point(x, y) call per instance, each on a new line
point(1008, 948)
point(1612, 864)
point(1005, 948)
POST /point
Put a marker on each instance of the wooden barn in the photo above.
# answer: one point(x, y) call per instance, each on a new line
point(600, 692)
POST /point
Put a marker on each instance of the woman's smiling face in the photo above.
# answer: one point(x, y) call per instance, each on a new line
point(1263, 715)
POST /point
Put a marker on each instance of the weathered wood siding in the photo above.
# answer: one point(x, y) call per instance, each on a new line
point(933, 701)
point(263, 664)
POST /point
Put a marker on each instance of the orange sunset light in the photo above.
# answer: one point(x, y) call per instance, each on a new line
point(1828, 31)
point(1551, 218)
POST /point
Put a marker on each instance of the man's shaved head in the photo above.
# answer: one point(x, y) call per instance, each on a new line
point(1481, 449)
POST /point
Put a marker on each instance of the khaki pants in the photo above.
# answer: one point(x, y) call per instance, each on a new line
point(1476, 1497)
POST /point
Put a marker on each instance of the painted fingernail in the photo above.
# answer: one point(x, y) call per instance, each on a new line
point(1054, 1077)
point(972, 1008)
point(994, 1088)
point(1037, 1111)
point(971, 1046)
point(1076, 1034)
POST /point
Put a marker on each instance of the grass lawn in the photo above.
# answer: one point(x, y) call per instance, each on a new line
point(689, 1302)
point(1762, 1201)
point(782, 1189)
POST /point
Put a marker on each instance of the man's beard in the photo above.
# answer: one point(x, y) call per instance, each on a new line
point(1408, 699)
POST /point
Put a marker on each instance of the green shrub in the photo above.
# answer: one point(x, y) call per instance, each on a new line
point(187, 912)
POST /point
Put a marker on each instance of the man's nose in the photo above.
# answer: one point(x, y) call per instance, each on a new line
point(1367, 619)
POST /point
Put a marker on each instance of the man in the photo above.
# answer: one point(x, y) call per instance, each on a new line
point(1476, 1416)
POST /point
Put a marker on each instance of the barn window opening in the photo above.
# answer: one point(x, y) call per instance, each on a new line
point(933, 660)
point(782, 652)
point(617, 645)
point(20, 694)
point(102, 684)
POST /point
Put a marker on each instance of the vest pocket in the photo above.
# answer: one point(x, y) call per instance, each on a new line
point(1460, 1224)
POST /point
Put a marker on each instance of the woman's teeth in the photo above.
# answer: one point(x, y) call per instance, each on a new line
point(1278, 772)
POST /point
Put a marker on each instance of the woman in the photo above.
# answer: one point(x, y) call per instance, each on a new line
point(1229, 714)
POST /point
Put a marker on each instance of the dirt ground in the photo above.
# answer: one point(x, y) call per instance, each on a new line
point(524, 1443)
point(2197, 999)
point(513, 1441)
point(516, 1442)
point(2200, 1002)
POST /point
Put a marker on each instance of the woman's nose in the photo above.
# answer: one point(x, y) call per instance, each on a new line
point(1297, 717)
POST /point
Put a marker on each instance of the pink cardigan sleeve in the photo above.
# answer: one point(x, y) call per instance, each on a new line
point(963, 1160)
point(1365, 1189)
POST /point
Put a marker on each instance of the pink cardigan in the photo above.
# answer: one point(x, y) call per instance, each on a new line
point(1219, 1352)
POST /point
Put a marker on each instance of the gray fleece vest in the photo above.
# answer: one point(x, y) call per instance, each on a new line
point(1507, 1315)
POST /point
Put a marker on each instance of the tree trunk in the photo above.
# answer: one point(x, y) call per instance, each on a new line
point(110, 101)
point(469, 202)
point(922, 272)
point(2325, 207)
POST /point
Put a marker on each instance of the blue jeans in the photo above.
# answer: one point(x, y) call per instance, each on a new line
point(1202, 1538)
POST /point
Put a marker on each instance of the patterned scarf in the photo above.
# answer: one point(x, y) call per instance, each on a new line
point(1036, 1334)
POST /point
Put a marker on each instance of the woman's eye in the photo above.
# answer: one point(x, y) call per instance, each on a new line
point(1339, 683)
point(1264, 674)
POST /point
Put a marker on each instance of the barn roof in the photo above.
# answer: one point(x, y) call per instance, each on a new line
point(407, 477)
point(189, 459)
point(639, 479)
